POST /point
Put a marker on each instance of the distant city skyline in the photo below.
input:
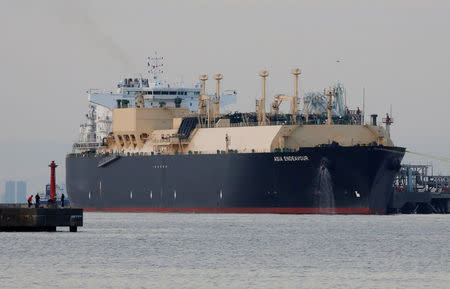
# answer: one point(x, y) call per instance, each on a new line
point(10, 192)
point(15, 192)
point(21, 191)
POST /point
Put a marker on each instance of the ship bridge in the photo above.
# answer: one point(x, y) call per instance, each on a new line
point(155, 92)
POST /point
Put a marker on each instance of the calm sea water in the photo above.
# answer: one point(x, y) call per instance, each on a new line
point(150, 250)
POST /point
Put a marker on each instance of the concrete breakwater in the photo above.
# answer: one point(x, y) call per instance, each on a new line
point(19, 218)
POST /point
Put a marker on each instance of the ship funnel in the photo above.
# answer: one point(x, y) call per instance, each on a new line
point(262, 104)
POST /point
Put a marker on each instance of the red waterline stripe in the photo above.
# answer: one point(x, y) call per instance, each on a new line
point(361, 211)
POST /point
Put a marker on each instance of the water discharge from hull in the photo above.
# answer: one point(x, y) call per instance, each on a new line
point(323, 189)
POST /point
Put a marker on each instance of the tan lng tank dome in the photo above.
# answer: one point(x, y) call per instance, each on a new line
point(242, 139)
point(155, 130)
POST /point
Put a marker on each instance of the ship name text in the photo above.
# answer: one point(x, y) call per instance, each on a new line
point(290, 158)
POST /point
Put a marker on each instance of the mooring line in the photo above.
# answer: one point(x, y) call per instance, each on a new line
point(416, 153)
point(429, 156)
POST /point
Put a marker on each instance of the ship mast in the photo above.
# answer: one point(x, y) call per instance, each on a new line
point(296, 72)
point(261, 105)
point(155, 68)
point(203, 107)
point(388, 121)
point(216, 107)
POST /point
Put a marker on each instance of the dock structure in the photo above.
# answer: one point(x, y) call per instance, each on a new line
point(415, 191)
point(20, 218)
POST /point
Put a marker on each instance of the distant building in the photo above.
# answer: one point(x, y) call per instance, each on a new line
point(21, 192)
point(10, 192)
point(15, 192)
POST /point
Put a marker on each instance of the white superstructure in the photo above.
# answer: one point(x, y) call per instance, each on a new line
point(156, 93)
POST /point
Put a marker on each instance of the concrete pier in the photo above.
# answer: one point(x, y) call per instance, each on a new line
point(415, 191)
point(411, 202)
point(20, 218)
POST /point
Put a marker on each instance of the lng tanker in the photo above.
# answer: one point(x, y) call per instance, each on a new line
point(153, 147)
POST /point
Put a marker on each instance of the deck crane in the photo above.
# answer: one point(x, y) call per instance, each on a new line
point(278, 100)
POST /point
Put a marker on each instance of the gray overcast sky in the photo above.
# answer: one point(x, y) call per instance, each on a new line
point(51, 52)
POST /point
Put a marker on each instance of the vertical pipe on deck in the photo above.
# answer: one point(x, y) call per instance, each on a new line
point(263, 74)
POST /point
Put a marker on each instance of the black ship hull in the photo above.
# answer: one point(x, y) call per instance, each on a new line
point(326, 179)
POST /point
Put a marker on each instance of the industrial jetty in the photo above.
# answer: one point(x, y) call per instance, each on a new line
point(161, 148)
point(23, 218)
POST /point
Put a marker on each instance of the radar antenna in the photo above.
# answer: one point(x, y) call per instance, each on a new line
point(155, 65)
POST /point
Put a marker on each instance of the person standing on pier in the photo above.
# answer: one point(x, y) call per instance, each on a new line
point(62, 200)
point(37, 198)
point(29, 201)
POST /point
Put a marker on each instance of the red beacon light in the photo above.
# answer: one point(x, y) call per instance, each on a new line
point(53, 166)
